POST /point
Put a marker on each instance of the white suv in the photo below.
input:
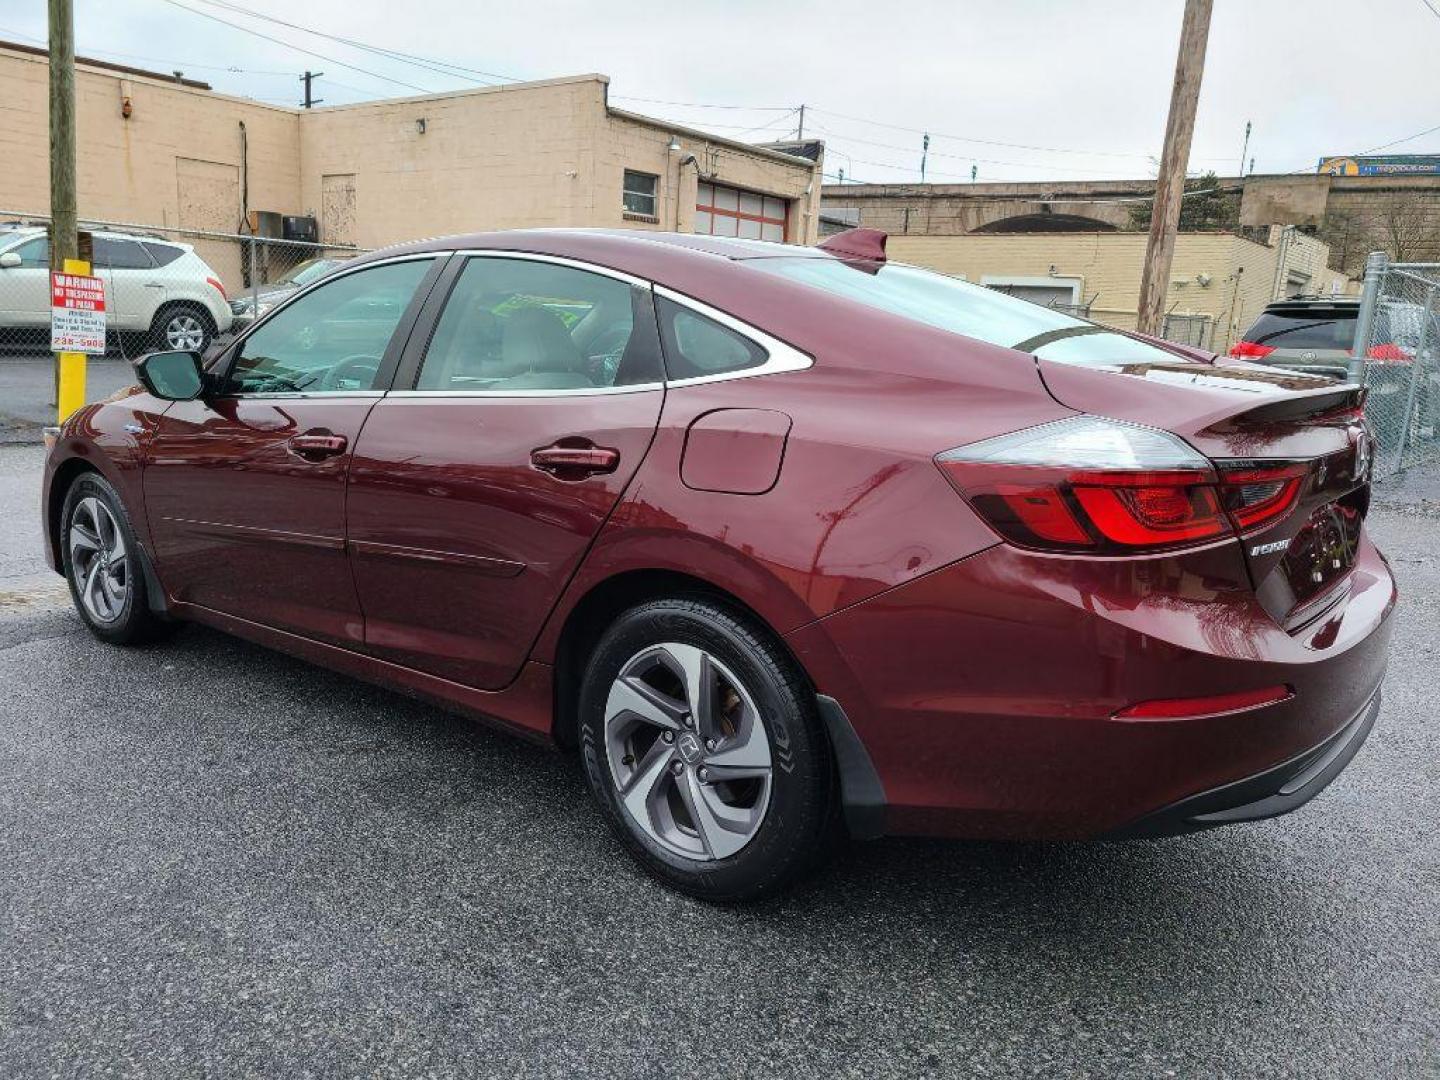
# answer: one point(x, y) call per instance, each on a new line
point(156, 288)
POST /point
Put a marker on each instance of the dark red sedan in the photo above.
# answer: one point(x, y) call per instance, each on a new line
point(785, 541)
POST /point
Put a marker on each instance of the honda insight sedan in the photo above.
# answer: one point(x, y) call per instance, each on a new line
point(784, 543)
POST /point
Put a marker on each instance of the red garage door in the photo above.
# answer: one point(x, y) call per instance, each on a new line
point(727, 211)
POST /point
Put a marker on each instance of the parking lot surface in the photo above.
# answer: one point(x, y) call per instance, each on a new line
point(215, 860)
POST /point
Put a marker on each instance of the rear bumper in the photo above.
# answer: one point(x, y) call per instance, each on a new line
point(1275, 791)
point(985, 694)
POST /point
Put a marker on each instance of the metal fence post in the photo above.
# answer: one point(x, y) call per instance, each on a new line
point(1410, 424)
point(254, 279)
point(1375, 264)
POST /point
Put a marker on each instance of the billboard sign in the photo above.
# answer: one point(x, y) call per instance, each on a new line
point(1389, 165)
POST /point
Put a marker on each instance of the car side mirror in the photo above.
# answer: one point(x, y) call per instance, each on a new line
point(173, 376)
point(9, 260)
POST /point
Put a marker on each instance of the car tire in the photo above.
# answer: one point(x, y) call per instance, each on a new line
point(730, 799)
point(103, 564)
point(182, 327)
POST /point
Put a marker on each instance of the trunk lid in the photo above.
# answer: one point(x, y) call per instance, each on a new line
point(1246, 416)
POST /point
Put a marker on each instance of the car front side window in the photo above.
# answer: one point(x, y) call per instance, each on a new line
point(331, 340)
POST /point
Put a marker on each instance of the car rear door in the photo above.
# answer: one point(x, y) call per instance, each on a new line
point(128, 271)
point(480, 481)
point(245, 488)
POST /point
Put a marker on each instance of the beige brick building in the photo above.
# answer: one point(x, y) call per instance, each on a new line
point(168, 152)
point(1219, 282)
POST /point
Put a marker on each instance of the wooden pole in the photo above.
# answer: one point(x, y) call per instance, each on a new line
point(64, 228)
point(1170, 187)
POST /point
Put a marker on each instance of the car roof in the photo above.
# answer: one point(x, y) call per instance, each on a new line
point(1316, 304)
point(638, 251)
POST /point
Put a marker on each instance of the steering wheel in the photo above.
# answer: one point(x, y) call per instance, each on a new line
point(360, 368)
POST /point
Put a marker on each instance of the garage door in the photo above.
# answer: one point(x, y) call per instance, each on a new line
point(727, 211)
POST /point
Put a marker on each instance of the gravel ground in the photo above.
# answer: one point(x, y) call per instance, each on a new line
point(218, 861)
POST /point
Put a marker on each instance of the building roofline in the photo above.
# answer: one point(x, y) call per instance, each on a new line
point(719, 140)
point(106, 65)
point(468, 91)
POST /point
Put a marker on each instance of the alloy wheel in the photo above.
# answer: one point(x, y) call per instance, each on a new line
point(184, 331)
point(99, 562)
point(688, 751)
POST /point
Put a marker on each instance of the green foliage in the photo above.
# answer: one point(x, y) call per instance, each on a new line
point(1210, 209)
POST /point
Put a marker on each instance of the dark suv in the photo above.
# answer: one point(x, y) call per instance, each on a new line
point(1307, 334)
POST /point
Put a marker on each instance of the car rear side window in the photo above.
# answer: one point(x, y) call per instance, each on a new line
point(513, 325)
point(121, 255)
point(163, 254)
point(1303, 330)
point(696, 346)
point(970, 310)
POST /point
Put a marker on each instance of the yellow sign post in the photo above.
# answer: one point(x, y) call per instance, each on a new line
point(70, 381)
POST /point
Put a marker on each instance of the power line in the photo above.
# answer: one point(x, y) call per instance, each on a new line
point(297, 48)
point(428, 63)
point(981, 142)
point(1431, 8)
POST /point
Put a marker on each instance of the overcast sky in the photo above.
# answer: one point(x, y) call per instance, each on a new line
point(1079, 88)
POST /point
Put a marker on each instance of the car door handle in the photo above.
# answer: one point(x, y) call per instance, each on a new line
point(573, 462)
point(154, 284)
point(318, 446)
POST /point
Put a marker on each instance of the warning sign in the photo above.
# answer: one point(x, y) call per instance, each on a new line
point(77, 313)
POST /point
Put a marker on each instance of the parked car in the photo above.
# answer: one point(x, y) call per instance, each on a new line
point(1402, 362)
point(781, 541)
point(159, 291)
point(247, 308)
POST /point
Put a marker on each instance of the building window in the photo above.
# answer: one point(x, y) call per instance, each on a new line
point(727, 211)
point(640, 193)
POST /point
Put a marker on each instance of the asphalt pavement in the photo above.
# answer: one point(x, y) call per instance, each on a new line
point(27, 390)
point(217, 861)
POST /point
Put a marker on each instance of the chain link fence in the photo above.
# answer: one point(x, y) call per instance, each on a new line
point(1192, 330)
point(1397, 354)
point(165, 288)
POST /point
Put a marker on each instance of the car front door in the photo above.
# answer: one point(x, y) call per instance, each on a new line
point(476, 490)
point(245, 489)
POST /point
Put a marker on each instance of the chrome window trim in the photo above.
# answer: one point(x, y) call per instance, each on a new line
point(781, 357)
point(291, 395)
point(579, 391)
point(558, 260)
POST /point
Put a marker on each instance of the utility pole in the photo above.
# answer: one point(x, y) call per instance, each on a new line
point(1245, 149)
point(924, 155)
point(64, 228)
point(307, 79)
point(1170, 185)
point(800, 128)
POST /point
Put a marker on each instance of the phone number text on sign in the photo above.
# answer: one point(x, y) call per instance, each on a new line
point(77, 313)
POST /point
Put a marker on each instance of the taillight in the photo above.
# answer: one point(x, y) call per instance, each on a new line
point(213, 282)
point(1090, 485)
point(1095, 486)
point(1249, 350)
point(1260, 494)
point(1387, 352)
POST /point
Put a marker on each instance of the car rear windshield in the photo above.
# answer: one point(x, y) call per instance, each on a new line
point(971, 310)
point(1320, 329)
